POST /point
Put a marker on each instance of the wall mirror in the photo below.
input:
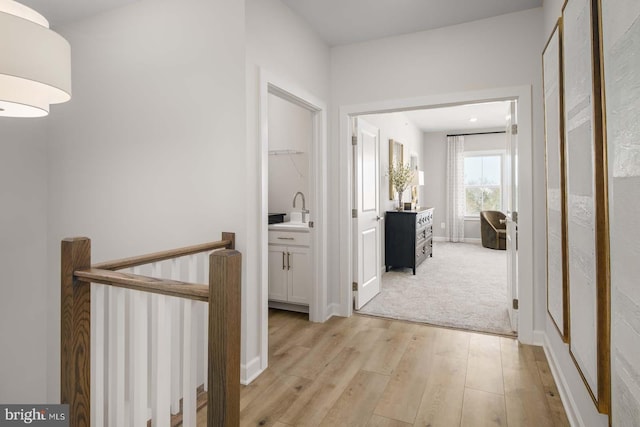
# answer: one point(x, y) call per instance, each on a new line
point(395, 157)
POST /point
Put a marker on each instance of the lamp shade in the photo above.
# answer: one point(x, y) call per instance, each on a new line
point(35, 63)
point(418, 178)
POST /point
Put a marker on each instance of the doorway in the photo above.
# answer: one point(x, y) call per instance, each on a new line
point(427, 278)
point(284, 91)
point(523, 276)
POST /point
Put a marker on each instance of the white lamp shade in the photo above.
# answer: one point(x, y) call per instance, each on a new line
point(418, 178)
point(35, 63)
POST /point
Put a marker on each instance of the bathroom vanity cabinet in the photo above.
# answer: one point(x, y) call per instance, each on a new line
point(290, 273)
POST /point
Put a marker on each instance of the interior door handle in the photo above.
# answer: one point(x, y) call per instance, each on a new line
point(378, 218)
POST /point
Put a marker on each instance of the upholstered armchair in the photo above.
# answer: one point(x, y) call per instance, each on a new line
point(494, 234)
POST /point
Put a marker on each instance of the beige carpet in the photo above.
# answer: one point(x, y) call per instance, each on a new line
point(462, 286)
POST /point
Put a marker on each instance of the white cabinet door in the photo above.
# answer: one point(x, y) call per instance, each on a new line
point(278, 273)
point(299, 266)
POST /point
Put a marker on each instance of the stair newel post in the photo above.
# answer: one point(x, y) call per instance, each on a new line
point(224, 338)
point(231, 237)
point(75, 342)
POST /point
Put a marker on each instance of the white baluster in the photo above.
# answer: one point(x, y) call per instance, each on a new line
point(160, 356)
point(156, 271)
point(176, 340)
point(189, 365)
point(116, 357)
point(97, 355)
point(162, 370)
point(139, 358)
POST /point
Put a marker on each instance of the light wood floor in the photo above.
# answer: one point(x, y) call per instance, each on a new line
point(366, 371)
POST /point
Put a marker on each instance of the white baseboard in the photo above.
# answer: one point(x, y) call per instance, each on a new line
point(250, 371)
point(539, 337)
point(466, 240)
point(334, 309)
point(570, 407)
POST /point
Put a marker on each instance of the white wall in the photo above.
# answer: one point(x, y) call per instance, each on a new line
point(552, 11)
point(23, 260)
point(435, 178)
point(277, 41)
point(290, 128)
point(498, 52)
point(150, 152)
point(397, 127)
point(576, 398)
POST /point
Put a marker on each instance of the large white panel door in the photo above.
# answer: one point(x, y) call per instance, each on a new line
point(366, 199)
point(512, 214)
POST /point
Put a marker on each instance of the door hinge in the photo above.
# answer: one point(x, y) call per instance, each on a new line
point(514, 129)
point(354, 213)
point(311, 225)
point(515, 304)
point(354, 286)
point(354, 140)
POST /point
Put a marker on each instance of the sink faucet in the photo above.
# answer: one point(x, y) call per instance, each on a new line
point(304, 211)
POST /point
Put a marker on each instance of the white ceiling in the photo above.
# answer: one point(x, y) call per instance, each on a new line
point(336, 21)
point(341, 22)
point(60, 12)
point(490, 115)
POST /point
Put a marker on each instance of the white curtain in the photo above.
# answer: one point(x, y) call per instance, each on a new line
point(455, 188)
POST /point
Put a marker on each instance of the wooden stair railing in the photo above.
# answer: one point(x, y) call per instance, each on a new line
point(222, 295)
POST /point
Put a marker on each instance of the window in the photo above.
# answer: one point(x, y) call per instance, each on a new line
point(482, 183)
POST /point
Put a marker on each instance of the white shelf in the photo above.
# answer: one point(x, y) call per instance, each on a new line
point(282, 152)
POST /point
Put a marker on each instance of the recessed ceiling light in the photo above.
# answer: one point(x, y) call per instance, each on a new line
point(473, 119)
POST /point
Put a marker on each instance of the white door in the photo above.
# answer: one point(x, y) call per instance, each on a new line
point(512, 214)
point(299, 264)
point(367, 224)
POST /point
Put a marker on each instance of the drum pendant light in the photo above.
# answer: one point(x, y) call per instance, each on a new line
point(35, 63)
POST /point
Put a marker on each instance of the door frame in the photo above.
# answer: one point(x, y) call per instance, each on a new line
point(525, 180)
point(287, 90)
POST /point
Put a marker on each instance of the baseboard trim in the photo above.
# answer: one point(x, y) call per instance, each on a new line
point(570, 407)
point(466, 240)
point(538, 338)
point(333, 310)
point(250, 371)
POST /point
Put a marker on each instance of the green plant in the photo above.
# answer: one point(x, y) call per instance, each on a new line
point(400, 177)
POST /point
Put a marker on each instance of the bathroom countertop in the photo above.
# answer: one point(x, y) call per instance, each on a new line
point(290, 226)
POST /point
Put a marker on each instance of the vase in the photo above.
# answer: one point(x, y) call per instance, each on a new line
point(400, 206)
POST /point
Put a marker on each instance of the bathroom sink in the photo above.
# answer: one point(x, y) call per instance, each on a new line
point(290, 225)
